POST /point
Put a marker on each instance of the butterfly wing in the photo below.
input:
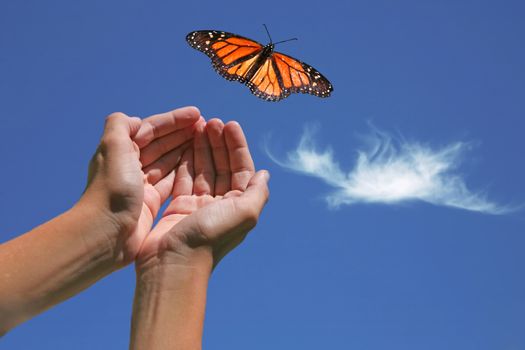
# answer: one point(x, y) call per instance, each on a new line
point(271, 76)
point(297, 76)
point(266, 83)
point(232, 55)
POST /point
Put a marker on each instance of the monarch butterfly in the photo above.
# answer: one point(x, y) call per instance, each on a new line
point(269, 75)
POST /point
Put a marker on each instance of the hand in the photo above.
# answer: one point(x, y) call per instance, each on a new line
point(217, 199)
point(131, 173)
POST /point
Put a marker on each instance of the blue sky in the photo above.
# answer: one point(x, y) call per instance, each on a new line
point(402, 275)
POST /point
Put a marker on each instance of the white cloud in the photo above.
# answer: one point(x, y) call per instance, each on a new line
point(391, 171)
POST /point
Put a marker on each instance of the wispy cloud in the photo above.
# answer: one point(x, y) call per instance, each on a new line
point(390, 170)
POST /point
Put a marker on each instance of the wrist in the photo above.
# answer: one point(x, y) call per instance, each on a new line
point(198, 260)
point(170, 298)
point(102, 231)
point(164, 279)
point(168, 307)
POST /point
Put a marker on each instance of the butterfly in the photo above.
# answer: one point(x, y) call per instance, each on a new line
point(268, 74)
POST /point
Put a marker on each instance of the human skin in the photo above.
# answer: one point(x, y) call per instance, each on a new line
point(130, 176)
point(217, 200)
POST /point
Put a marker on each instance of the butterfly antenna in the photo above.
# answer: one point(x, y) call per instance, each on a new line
point(283, 41)
point(267, 32)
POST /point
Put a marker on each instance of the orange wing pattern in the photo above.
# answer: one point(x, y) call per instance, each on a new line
point(298, 76)
point(270, 75)
point(226, 51)
point(266, 83)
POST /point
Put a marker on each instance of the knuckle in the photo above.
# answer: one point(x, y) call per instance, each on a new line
point(109, 140)
point(115, 115)
point(224, 172)
point(163, 146)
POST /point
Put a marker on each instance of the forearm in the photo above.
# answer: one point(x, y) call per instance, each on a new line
point(169, 306)
point(53, 262)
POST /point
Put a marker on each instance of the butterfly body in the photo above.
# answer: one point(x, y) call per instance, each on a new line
point(269, 75)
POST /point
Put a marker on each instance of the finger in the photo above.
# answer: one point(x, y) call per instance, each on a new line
point(155, 196)
point(165, 123)
point(162, 166)
point(164, 144)
point(257, 192)
point(231, 194)
point(183, 184)
point(165, 186)
point(237, 219)
point(152, 200)
point(215, 131)
point(204, 182)
point(241, 163)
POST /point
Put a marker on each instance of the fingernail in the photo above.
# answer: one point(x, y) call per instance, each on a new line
point(266, 175)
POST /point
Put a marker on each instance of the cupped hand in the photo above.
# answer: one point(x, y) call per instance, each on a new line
point(131, 173)
point(216, 200)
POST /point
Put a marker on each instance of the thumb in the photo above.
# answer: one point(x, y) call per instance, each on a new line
point(239, 218)
point(257, 192)
point(118, 132)
point(120, 123)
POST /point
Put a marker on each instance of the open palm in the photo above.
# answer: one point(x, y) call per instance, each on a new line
point(161, 140)
point(216, 196)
